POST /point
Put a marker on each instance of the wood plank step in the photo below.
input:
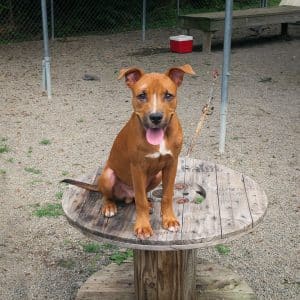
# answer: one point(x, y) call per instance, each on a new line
point(116, 282)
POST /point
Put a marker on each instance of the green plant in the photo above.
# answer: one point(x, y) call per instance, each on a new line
point(32, 170)
point(91, 247)
point(2, 172)
point(92, 266)
point(10, 160)
point(64, 173)
point(222, 249)
point(29, 151)
point(45, 142)
point(59, 195)
point(49, 210)
point(199, 199)
point(108, 246)
point(67, 242)
point(119, 257)
point(4, 148)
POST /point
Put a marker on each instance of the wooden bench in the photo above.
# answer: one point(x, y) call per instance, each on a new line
point(209, 23)
point(165, 266)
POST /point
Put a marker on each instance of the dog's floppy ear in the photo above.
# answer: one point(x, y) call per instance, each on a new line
point(176, 73)
point(132, 75)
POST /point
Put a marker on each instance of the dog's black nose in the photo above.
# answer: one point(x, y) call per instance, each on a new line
point(156, 118)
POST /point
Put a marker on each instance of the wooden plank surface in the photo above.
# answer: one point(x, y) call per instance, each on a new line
point(214, 21)
point(234, 204)
point(233, 201)
point(113, 282)
point(212, 282)
point(251, 12)
point(202, 219)
point(257, 199)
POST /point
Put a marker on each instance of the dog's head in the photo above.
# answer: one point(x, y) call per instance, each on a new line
point(154, 97)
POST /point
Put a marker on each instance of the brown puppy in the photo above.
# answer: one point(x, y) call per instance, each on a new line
point(146, 150)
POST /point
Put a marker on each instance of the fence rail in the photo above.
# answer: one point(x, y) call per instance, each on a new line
point(21, 19)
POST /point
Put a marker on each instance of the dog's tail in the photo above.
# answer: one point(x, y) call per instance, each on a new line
point(87, 186)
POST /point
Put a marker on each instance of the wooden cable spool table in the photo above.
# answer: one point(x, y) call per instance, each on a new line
point(164, 266)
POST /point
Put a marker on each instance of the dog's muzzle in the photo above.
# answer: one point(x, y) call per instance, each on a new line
point(156, 118)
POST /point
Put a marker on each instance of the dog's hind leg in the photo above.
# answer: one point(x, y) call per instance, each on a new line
point(106, 184)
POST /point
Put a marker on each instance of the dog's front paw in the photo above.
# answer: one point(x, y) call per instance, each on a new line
point(143, 230)
point(171, 224)
point(109, 209)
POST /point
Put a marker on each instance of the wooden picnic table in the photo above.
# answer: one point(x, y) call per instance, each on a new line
point(211, 22)
point(165, 265)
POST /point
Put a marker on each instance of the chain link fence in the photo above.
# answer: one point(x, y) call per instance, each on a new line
point(21, 19)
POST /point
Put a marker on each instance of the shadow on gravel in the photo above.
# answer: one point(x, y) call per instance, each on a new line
point(246, 42)
point(150, 51)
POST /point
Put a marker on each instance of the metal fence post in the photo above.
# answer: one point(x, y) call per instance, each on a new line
point(263, 3)
point(46, 60)
point(225, 72)
point(144, 20)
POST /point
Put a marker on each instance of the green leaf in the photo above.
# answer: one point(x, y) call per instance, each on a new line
point(222, 249)
point(91, 247)
point(49, 210)
point(199, 199)
point(119, 257)
point(45, 142)
point(4, 149)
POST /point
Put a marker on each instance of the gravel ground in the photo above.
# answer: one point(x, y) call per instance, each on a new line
point(42, 141)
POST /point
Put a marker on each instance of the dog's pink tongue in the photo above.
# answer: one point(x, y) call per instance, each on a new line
point(154, 136)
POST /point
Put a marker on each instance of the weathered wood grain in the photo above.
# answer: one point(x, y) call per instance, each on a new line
point(113, 282)
point(75, 198)
point(257, 199)
point(214, 21)
point(209, 23)
point(176, 274)
point(202, 219)
point(234, 204)
point(145, 274)
point(212, 282)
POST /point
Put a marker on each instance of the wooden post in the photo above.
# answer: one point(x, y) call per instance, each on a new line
point(165, 275)
point(284, 29)
point(206, 41)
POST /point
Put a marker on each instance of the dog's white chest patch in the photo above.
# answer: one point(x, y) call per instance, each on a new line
point(162, 151)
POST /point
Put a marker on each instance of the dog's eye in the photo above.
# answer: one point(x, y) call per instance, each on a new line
point(168, 96)
point(142, 97)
